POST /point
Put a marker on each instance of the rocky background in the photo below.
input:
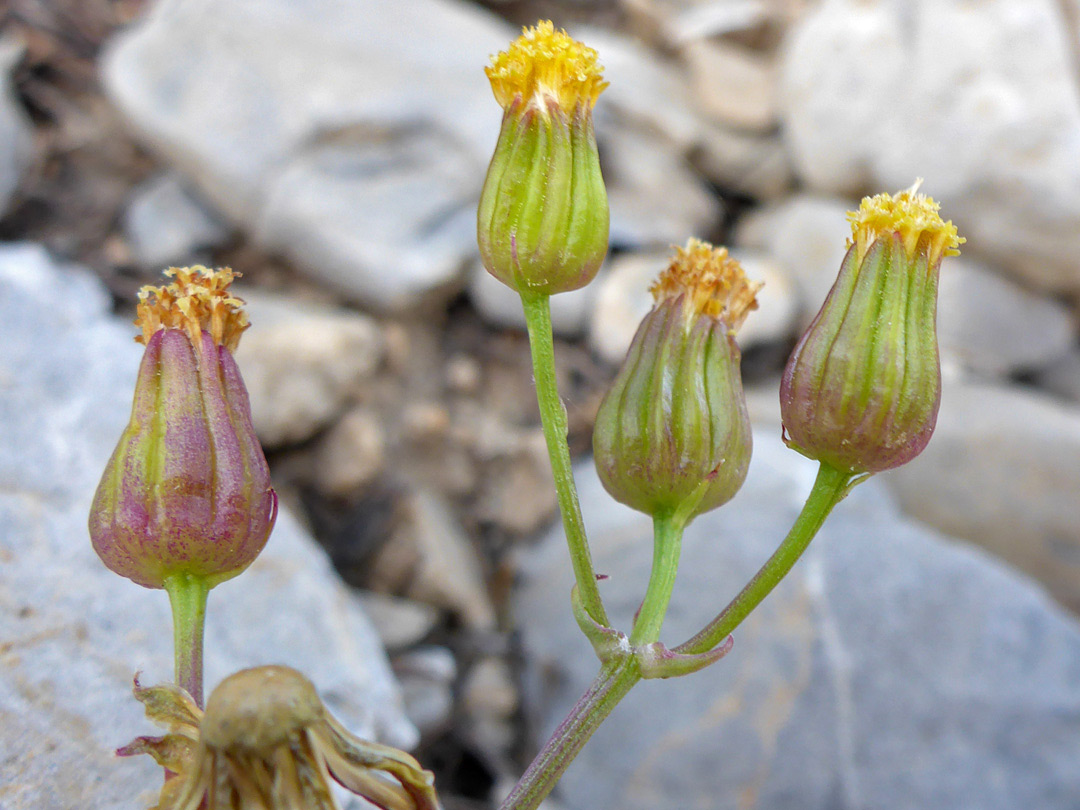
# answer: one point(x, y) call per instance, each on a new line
point(332, 151)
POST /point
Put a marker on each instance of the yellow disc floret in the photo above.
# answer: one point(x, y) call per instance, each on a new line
point(713, 282)
point(544, 63)
point(197, 300)
point(913, 216)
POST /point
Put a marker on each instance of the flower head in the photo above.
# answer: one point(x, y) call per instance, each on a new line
point(545, 64)
point(542, 223)
point(187, 490)
point(912, 217)
point(672, 434)
point(862, 388)
point(266, 742)
point(710, 282)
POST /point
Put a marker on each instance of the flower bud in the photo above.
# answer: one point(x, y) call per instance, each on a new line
point(862, 388)
point(187, 490)
point(542, 224)
point(674, 428)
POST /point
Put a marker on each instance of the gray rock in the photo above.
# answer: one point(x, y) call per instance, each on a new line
point(427, 677)
point(1063, 377)
point(501, 306)
point(734, 85)
point(750, 164)
point(1003, 470)
point(623, 299)
point(351, 136)
point(656, 197)
point(74, 632)
point(16, 135)
point(992, 326)
point(302, 361)
point(980, 98)
point(430, 559)
point(892, 669)
point(807, 236)
point(674, 22)
point(400, 622)
point(166, 225)
point(351, 455)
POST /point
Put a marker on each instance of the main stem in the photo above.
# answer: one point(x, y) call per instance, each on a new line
point(617, 677)
point(187, 596)
point(829, 488)
point(553, 418)
point(667, 543)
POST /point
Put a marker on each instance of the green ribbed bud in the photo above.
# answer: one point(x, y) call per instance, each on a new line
point(542, 224)
point(862, 388)
point(672, 434)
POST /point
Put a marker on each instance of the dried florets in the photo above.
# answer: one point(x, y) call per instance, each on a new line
point(197, 300)
point(713, 282)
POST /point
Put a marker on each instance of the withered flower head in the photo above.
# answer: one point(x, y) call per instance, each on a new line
point(266, 742)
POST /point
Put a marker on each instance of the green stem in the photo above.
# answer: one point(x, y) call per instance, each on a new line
point(830, 486)
point(667, 543)
point(616, 679)
point(553, 418)
point(187, 596)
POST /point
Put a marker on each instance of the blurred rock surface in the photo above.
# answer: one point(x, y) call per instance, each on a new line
point(74, 632)
point(166, 225)
point(1003, 470)
point(429, 559)
point(355, 148)
point(1063, 377)
point(351, 455)
point(427, 677)
point(302, 361)
point(980, 98)
point(400, 623)
point(887, 644)
point(16, 135)
point(991, 325)
point(806, 234)
point(501, 306)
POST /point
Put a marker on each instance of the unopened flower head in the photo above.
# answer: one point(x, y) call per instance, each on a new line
point(672, 435)
point(266, 742)
point(862, 388)
point(187, 490)
point(542, 224)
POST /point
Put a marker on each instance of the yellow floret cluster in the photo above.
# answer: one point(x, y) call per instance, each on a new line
point(197, 300)
point(546, 63)
point(715, 284)
point(911, 215)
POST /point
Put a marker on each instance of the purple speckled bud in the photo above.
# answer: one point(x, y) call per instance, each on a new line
point(187, 490)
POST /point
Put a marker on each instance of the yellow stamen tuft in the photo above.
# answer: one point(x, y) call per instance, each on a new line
point(912, 215)
point(197, 300)
point(714, 283)
point(544, 63)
